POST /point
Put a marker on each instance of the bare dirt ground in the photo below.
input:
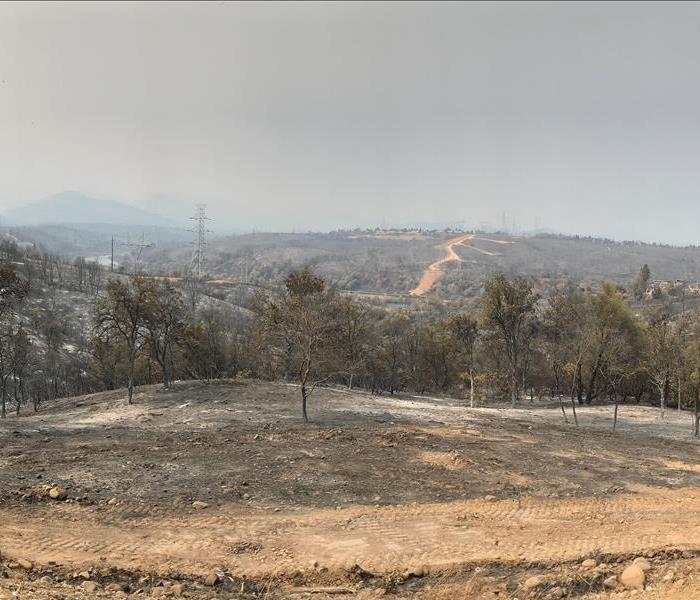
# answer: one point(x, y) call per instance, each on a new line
point(407, 497)
point(436, 271)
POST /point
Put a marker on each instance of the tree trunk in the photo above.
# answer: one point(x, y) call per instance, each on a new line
point(591, 382)
point(578, 381)
point(615, 415)
point(563, 412)
point(573, 409)
point(3, 409)
point(130, 382)
point(165, 368)
point(304, 396)
point(679, 393)
point(663, 401)
point(471, 388)
point(513, 387)
point(304, 378)
point(697, 413)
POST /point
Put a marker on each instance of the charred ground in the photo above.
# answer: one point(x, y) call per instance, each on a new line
point(373, 488)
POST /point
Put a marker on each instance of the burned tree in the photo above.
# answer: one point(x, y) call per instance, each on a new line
point(164, 315)
point(306, 322)
point(122, 314)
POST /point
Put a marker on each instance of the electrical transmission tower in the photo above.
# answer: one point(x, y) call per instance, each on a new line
point(196, 268)
point(199, 249)
point(137, 247)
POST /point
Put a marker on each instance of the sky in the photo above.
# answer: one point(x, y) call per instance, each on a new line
point(576, 117)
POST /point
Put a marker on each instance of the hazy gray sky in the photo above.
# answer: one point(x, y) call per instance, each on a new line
point(585, 116)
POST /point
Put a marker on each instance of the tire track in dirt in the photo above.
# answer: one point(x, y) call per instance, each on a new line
point(378, 539)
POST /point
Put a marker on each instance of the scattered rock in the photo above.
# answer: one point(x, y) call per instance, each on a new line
point(112, 501)
point(642, 563)
point(610, 582)
point(159, 591)
point(24, 564)
point(84, 575)
point(532, 582)
point(490, 498)
point(589, 563)
point(114, 587)
point(633, 577)
point(177, 589)
point(199, 505)
point(90, 586)
point(211, 580)
point(668, 577)
point(57, 493)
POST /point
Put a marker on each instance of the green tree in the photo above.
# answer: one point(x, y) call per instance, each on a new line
point(641, 282)
point(508, 307)
point(661, 356)
point(563, 341)
point(609, 320)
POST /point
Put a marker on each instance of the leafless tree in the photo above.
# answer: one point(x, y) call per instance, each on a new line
point(122, 313)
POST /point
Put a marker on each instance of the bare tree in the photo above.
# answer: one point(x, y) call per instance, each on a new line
point(122, 313)
point(466, 330)
point(353, 323)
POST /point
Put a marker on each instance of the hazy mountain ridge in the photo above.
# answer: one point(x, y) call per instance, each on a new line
point(72, 207)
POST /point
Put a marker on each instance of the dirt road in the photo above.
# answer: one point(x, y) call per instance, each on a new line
point(435, 271)
point(437, 537)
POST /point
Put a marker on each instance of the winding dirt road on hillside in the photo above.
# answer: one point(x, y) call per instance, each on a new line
point(435, 271)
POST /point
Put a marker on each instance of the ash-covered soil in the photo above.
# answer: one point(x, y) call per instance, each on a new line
point(416, 497)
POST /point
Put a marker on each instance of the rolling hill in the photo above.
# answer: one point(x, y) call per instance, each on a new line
point(76, 208)
point(394, 262)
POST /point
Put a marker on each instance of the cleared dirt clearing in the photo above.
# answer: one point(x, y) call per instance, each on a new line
point(380, 486)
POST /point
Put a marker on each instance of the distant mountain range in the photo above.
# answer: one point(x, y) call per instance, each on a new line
point(76, 208)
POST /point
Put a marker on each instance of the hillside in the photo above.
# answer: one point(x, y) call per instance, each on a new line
point(75, 207)
point(222, 483)
point(72, 224)
point(394, 262)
